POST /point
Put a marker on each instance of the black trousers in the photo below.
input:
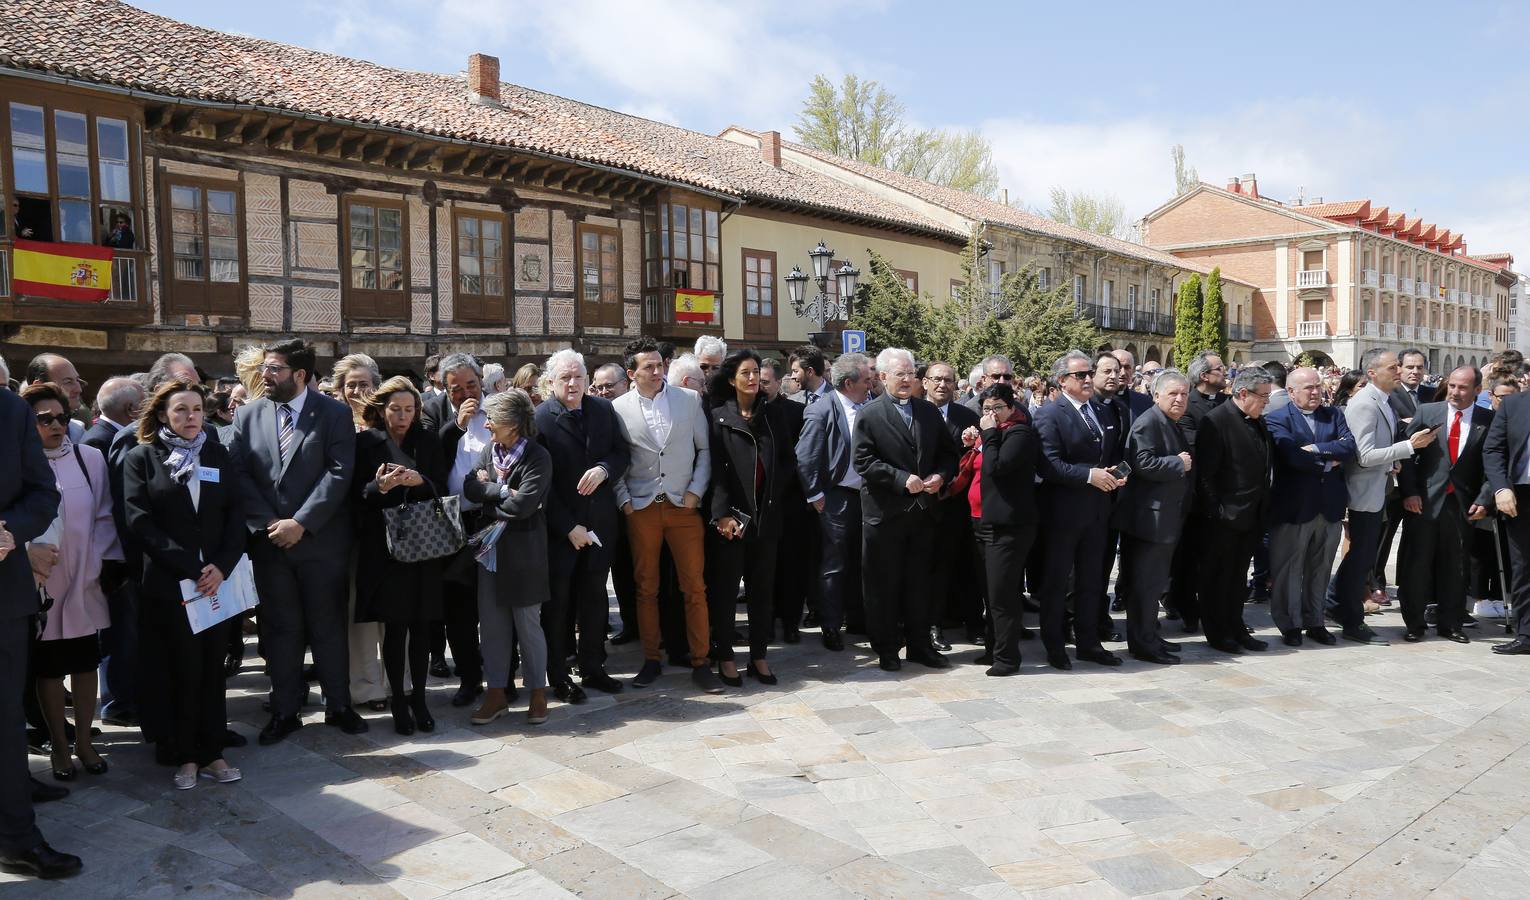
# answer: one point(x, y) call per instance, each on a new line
point(1434, 568)
point(895, 578)
point(1146, 568)
point(953, 567)
point(1184, 580)
point(1518, 529)
point(753, 560)
point(581, 597)
point(1346, 591)
point(1003, 551)
point(302, 603)
point(1393, 518)
point(797, 558)
point(459, 612)
point(1223, 558)
point(1075, 553)
point(184, 703)
point(18, 829)
point(1487, 581)
point(622, 580)
point(840, 565)
point(1107, 625)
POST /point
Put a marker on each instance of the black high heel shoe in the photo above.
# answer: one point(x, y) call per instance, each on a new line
point(98, 767)
point(759, 676)
point(403, 719)
point(733, 681)
point(423, 720)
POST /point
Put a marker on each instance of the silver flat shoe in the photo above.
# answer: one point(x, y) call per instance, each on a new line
point(185, 782)
point(227, 776)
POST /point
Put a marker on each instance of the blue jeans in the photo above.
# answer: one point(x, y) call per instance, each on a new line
point(1346, 591)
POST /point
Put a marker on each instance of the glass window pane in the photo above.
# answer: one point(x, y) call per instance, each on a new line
point(679, 218)
point(467, 226)
point(390, 218)
point(189, 268)
point(713, 247)
point(492, 265)
point(364, 279)
point(714, 279)
point(221, 225)
point(114, 182)
point(111, 139)
point(362, 215)
point(363, 259)
point(608, 244)
point(751, 293)
point(391, 260)
point(467, 265)
point(681, 245)
point(751, 307)
point(187, 245)
point(469, 246)
point(221, 202)
point(491, 229)
point(696, 222)
point(72, 153)
point(751, 264)
point(468, 284)
point(223, 248)
point(185, 221)
point(712, 223)
point(361, 237)
point(766, 265)
point(697, 247)
point(183, 197)
point(74, 221)
point(388, 238)
point(590, 242)
point(29, 147)
point(664, 244)
point(493, 285)
point(492, 249)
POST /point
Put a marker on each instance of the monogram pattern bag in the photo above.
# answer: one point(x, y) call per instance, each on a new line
point(424, 529)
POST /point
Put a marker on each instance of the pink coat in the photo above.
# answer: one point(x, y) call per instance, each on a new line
point(88, 537)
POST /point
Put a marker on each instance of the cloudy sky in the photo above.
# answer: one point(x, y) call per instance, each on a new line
point(1414, 105)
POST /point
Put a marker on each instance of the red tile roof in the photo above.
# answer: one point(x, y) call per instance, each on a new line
point(1343, 210)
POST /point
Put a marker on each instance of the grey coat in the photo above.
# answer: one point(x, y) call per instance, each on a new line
point(1371, 421)
point(520, 557)
point(1157, 498)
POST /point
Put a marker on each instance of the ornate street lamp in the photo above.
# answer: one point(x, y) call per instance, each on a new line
point(822, 308)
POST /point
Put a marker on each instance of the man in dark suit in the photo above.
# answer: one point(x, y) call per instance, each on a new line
point(1410, 393)
point(1116, 402)
point(905, 455)
point(1075, 510)
point(797, 557)
point(953, 579)
point(117, 402)
point(590, 449)
point(455, 416)
point(1312, 444)
point(1443, 492)
point(1151, 512)
point(1208, 377)
point(825, 465)
point(294, 451)
point(1506, 459)
point(1233, 456)
point(29, 501)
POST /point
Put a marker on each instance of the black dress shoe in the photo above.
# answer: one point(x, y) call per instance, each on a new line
point(1099, 657)
point(1457, 636)
point(997, 671)
point(403, 717)
point(1516, 647)
point(893, 664)
point(1118, 604)
point(439, 668)
point(1469, 621)
point(466, 694)
point(278, 728)
point(938, 640)
point(1291, 637)
point(1321, 635)
point(730, 680)
point(347, 720)
point(1060, 661)
point(1161, 659)
point(1111, 637)
point(1413, 637)
point(1226, 646)
point(759, 676)
point(984, 659)
point(600, 681)
point(232, 738)
point(232, 662)
point(47, 793)
point(647, 675)
point(1362, 634)
point(929, 657)
point(1168, 646)
point(810, 619)
point(703, 678)
point(1189, 624)
point(832, 640)
point(625, 636)
point(1251, 643)
point(423, 720)
point(42, 861)
point(569, 692)
point(791, 636)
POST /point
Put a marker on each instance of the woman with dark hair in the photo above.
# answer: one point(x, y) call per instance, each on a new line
point(397, 462)
point(511, 481)
point(1349, 385)
point(180, 504)
point(66, 561)
point(752, 458)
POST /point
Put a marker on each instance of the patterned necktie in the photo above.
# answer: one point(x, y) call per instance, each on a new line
point(812, 397)
point(1094, 426)
point(284, 433)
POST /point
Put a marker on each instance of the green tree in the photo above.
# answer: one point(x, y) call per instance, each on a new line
point(1187, 322)
point(1102, 213)
point(862, 120)
point(1042, 323)
point(1185, 176)
point(1214, 316)
point(965, 328)
point(886, 309)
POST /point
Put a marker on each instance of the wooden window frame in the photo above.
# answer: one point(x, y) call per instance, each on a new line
point(208, 298)
point(908, 275)
point(613, 317)
point(955, 288)
point(483, 309)
point(352, 299)
point(753, 323)
point(658, 285)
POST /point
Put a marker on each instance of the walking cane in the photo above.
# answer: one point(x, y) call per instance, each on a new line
point(1503, 580)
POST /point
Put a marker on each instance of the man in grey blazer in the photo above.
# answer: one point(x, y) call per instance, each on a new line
point(660, 493)
point(295, 449)
point(825, 466)
point(1378, 450)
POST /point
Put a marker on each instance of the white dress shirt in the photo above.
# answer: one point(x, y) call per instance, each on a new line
point(469, 449)
point(852, 479)
point(656, 414)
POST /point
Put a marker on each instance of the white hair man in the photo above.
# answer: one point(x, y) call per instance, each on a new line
point(993, 369)
point(686, 372)
point(901, 485)
point(710, 352)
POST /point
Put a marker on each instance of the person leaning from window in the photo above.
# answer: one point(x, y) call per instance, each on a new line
point(512, 479)
point(183, 511)
point(398, 462)
point(121, 233)
point(67, 564)
point(752, 457)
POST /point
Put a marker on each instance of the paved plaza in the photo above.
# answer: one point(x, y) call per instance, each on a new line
point(1335, 771)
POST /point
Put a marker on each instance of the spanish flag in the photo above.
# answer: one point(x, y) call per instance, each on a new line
point(693, 306)
point(80, 272)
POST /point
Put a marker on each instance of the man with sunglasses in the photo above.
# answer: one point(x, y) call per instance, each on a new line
point(996, 369)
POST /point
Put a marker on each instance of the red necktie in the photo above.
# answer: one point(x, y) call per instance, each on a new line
point(1454, 445)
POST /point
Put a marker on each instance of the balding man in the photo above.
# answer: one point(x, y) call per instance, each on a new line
point(1444, 491)
point(51, 367)
point(118, 401)
point(1312, 444)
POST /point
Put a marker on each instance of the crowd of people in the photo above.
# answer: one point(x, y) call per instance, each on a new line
point(880, 499)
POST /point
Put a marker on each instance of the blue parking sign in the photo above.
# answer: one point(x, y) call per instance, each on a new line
point(853, 341)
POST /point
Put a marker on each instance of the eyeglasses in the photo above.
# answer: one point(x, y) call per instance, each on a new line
point(940, 379)
point(707, 367)
point(1002, 376)
point(47, 419)
point(272, 369)
point(995, 410)
point(1089, 373)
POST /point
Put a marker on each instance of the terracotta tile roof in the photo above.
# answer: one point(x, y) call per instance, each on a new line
point(107, 42)
point(1342, 210)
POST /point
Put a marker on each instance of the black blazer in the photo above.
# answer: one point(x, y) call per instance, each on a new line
point(1008, 484)
point(792, 416)
point(1402, 402)
point(1503, 452)
point(437, 417)
point(1429, 470)
point(100, 433)
point(176, 539)
point(958, 419)
point(597, 438)
point(824, 450)
point(1068, 451)
point(887, 452)
point(1233, 469)
point(1200, 405)
point(29, 501)
point(385, 586)
point(736, 445)
point(1157, 497)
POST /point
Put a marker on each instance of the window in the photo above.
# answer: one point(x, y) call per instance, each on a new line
point(760, 294)
point(1312, 260)
point(206, 249)
point(1131, 304)
point(1153, 298)
point(480, 254)
point(682, 248)
point(72, 180)
point(1043, 279)
point(1107, 288)
point(600, 279)
point(376, 276)
point(910, 280)
point(956, 288)
point(1078, 289)
point(995, 275)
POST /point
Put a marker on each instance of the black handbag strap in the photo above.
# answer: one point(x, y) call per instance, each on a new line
point(80, 459)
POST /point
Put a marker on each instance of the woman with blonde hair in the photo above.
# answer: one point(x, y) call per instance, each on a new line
point(355, 377)
point(529, 379)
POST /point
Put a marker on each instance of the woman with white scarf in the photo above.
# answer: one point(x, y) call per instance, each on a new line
point(66, 561)
point(181, 506)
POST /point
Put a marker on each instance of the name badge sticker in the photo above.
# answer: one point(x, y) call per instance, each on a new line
point(208, 475)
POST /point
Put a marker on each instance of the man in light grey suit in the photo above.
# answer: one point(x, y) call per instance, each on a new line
point(1378, 450)
point(295, 449)
point(660, 494)
point(832, 486)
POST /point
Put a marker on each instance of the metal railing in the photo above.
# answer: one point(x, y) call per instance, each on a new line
point(1424, 289)
point(1453, 295)
point(5, 271)
point(1389, 281)
point(1312, 278)
point(125, 279)
point(1317, 329)
point(1407, 286)
point(1369, 277)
